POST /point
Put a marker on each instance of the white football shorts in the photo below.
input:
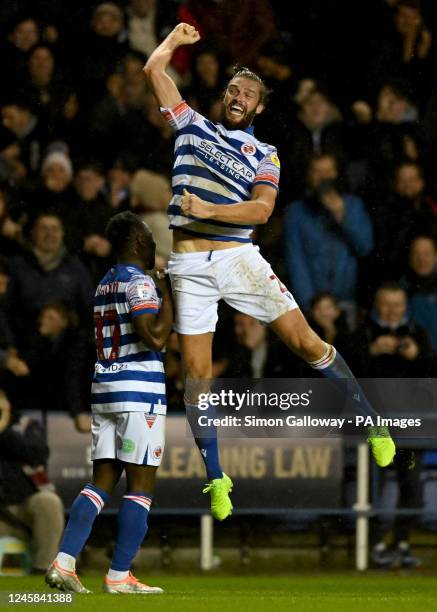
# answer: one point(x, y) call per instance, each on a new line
point(132, 437)
point(240, 276)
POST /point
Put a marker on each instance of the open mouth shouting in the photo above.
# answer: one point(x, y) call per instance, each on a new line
point(236, 111)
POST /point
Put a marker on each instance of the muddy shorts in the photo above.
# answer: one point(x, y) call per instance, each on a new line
point(240, 276)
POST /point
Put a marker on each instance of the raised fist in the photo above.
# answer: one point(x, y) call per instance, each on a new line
point(185, 34)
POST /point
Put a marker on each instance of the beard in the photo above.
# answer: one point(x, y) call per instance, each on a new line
point(239, 124)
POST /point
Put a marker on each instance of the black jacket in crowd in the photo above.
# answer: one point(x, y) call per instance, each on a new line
point(23, 448)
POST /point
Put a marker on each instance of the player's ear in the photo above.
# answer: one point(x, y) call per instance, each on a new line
point(259, 109)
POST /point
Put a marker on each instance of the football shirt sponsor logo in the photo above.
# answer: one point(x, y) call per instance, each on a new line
point(127, 446)
point(225, 161)
point(275, 160)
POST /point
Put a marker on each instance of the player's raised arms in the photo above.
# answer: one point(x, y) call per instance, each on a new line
point(159, 81)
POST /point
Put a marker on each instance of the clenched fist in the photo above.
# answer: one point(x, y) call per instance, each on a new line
point(184, 34)
point(193, 206)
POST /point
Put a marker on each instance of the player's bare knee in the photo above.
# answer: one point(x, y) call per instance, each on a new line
point(196, 368)
point(196, 387)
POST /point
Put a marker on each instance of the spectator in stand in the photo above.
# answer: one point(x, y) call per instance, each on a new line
point(117, 185)
point(330, 322)
point(57, 173)
point(124, 120)
point(60, 357)
point(10, 229)
point(256, 353)
point(132, 68)
point(46, 273)
point(150, 196)
point(148, 23)
point(106, 45)
point(23, 37)
point(107, 123)
point(11, 364)
point(207, 85)
point(142, 26)
point(408, 212)
point(382, 138)
point(407, 464)
point(94, 213)
point(397, 347)
point(407, 52)
point(148, 125)
point(238, 34)
point(274, 64)
point(395, 135)
point(26, 494)
point(57, 195)
point(325, 236)
point(318, 129)
point(24, 130)
point(45, 86)
point(420, 282)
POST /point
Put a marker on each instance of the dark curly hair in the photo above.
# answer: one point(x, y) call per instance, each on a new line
point(122, 231)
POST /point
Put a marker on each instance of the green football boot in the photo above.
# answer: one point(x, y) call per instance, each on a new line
point(382, 446)
point(221, 505)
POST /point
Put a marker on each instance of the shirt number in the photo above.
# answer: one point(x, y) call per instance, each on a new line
point(109, 318)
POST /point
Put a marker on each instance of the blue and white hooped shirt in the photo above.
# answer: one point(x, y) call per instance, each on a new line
point(218, 165)
point(128, 376)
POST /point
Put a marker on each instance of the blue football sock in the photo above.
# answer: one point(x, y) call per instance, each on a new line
point(207, 441)
point(84, 510)
point(132, 528)
point(333, 366)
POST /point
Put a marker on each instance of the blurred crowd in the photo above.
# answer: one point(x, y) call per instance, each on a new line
point(354, 230)
point(352, 111)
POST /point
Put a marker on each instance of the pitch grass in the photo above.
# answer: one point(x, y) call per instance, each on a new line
point(318, 593)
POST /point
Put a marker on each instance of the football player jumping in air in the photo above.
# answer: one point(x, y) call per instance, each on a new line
point(225, 182)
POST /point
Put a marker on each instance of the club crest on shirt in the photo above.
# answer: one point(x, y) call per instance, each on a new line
point(248, 149)
point(157, 452)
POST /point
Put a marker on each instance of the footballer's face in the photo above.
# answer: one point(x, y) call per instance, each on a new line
point(241, 103)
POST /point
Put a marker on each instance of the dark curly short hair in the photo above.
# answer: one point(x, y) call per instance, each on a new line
point(122, 231)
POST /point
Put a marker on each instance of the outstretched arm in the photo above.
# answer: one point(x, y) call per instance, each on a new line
point(158, 80)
